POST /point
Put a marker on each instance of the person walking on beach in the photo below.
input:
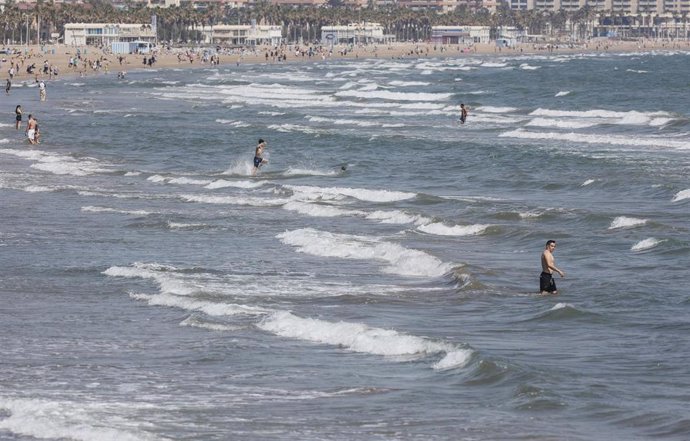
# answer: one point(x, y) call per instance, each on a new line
point(463, 114)
point(546, 283)
point(18, 116)
point(41, 90)
point(258, 156)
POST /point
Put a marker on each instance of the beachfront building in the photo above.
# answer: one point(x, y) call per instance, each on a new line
point(240, 35)
point(434, 5)
point(460, 34)
point(104, 34)
point(354, 33)
point(627, 7)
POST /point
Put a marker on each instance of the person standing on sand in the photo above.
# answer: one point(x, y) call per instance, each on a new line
point(546, 283)
point(18, 116)
point(258, 156)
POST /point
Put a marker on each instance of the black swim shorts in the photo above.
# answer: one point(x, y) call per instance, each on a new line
point(546, 283)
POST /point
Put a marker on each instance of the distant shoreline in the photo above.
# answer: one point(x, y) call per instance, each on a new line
point(169, 59)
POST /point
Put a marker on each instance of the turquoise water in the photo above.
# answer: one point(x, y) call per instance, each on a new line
point(377, 279)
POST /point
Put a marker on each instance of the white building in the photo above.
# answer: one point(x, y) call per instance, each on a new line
point(460, 34)
point(104, 34)
point(240, 35)
point(354, 33)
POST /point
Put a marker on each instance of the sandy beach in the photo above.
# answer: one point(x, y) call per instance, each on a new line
point(60, 55)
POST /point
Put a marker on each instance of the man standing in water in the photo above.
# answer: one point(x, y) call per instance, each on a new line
point(546, 283)
point(463, 114)
point(31, 130)
point(258, 156)
point(41, 90)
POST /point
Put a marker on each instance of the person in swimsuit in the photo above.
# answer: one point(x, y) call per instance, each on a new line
point(546, 283)
point(463, 114)
point(258, 156)
point(31, 130)
point(18, 112)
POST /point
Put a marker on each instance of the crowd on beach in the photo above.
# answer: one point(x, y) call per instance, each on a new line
point(40, 63)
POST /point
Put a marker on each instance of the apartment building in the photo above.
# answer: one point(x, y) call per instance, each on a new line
point(104, 34)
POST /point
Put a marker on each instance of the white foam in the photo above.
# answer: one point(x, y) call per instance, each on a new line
point(60, 164)
point(157, 178)
point(588, 182)
point(491, 109)
point(213, 309)
point(491, 64)
point(626, 222)
point(296, 171)
point(182, 226)
point(357, 193)
point(223, 183)
point(358, 337)
point(525, 66)
point(593, 113)
point(397, 217)
point(233, 123)
point(39, 189)
point(408, 83)
point(563, 93)
point(621, 140)
point(318, 210)
point(646, 244)
point(92, 209)
point(190, 321)
point(188, 181)
point(456, 230)
point(559, 123)
point(558, 306)
point(233, 200)
point(681, 195)
point(50, 419)
point(394, 96)
point(400, 260)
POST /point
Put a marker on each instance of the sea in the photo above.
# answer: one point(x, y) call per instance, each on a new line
point(378, 279)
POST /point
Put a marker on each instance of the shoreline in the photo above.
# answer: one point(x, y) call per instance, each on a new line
point(59, 56)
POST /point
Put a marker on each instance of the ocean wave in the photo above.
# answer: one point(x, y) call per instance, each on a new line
point(563, 93)
point(394, 96)
point(356, 193)
point(233, 200)
point(358, 337)
point(400, 260)
point(39, 418)
point(646, 244)
point(593, 113)
point(491, 109)
point(681, 195)
point(60, 164)
point(224, 183)
point(621, 140)
point(92, 209)
point(559, 123)
point(296, 171)
point(626, 222)
point(456, 230)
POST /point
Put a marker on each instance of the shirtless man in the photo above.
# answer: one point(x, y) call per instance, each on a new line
point(258, 156)
point(463, 114)
point(546, 283)
point(31, 130)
